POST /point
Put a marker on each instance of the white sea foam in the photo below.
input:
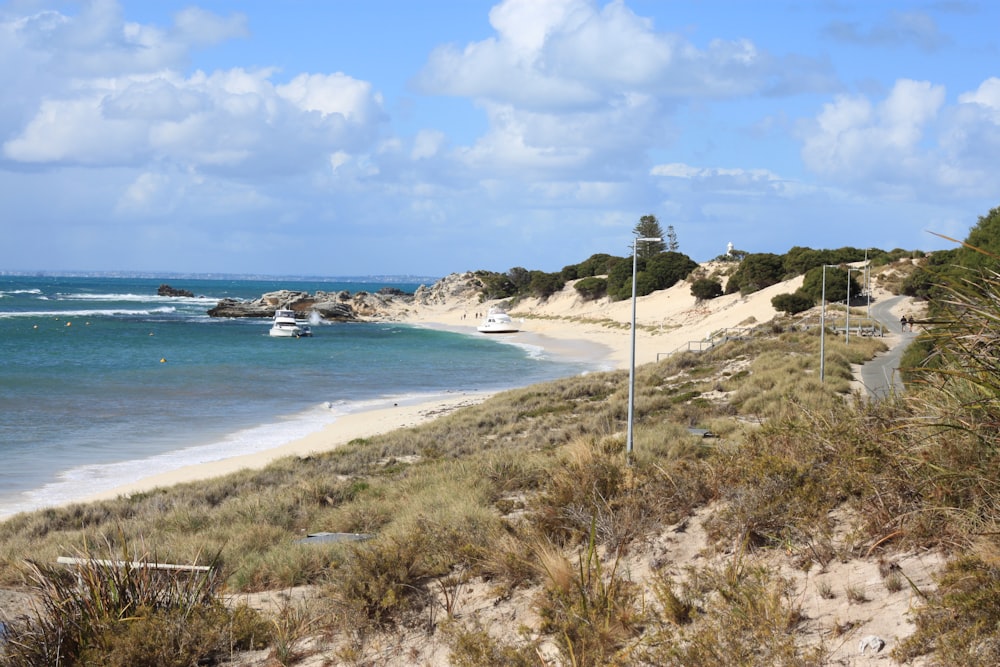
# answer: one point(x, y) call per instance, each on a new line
point(90, 312)
point(4, 293)
point(533, 351)
point(144, 298)
point(81, 482)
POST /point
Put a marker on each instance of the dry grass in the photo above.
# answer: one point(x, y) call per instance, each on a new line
point(117, 608)
point(531, 489)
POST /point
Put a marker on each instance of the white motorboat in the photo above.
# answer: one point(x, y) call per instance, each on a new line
point(286, 326)
point(497, 321)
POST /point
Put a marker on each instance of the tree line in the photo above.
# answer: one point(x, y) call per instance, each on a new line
point(660, 265)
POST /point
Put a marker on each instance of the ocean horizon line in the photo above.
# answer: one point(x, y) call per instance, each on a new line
point(182, 275)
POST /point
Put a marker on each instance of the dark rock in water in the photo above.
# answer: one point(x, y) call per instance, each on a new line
point(167, 290)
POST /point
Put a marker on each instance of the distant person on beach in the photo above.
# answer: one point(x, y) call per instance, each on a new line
point(902, 323)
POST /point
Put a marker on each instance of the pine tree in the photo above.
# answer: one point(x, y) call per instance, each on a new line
point(648, 228)
point(672, 244)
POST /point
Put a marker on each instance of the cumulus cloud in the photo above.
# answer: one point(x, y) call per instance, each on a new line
point(986, 96)
point(576, 103)
point(235, 119)
point(570, 53)
point(94, 89)
point(912, 140)
point(854, 140)
point(568, 85)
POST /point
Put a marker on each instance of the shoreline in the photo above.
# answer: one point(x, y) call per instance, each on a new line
point(388, 415)
point(563, 328)
point(364, 423)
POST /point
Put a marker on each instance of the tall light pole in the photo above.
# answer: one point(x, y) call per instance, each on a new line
point(847, 324)
point(631, 366)
point(822, 326)
point(868, 287)
point(847, 311)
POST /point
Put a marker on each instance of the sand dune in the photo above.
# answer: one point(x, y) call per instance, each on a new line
point(665, 320)
point(564, 325)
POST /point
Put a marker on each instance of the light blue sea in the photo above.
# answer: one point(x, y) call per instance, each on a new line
point(103, 382)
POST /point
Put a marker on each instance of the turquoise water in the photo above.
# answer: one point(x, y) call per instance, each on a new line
point(102, 382)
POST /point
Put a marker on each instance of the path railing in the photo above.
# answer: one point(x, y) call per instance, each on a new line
point(860, 326)
point(717, 337)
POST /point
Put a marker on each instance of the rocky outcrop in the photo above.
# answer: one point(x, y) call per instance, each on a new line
point(386, 304)
point(337, 306)
point(167, 290)
point(451, 288)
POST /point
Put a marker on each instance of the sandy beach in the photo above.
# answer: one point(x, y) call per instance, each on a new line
point(563, 326)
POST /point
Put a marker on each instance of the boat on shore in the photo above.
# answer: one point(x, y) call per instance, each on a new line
point(497, 321)
point(285, 325)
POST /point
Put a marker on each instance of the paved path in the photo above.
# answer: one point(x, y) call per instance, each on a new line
point(880, 376)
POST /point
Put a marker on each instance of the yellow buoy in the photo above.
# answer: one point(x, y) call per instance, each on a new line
point(163, 360)
point(69, 324)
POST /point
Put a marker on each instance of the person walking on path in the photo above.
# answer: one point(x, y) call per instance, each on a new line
point(902, 323)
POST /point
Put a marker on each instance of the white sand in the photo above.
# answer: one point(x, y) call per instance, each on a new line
point(564, 326)
point(344, 429)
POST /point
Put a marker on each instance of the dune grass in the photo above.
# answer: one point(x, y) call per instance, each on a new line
point(531, 489)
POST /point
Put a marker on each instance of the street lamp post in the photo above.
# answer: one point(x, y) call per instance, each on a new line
point(868, 287)
point(631, 366)
point(847, 324)
point(822, 326)
point(847, 310)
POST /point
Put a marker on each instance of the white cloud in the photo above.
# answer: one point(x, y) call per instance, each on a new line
point(987, 96)
point(911, 142)
point(237, 119)
point(571, 54)
point(571, 101)
point(334, 94)
point(569, 86)
point(76, 131)
point(853, 140)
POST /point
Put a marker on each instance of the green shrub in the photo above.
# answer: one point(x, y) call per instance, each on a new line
point(792, 303)
point(756, 271)
point(704, 289)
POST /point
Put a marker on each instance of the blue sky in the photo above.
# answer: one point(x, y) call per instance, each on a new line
point(360, 137)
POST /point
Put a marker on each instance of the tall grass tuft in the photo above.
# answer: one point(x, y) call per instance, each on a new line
point(736, 614)
point(593, 613)
point(117, 609)
point(950, 463)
